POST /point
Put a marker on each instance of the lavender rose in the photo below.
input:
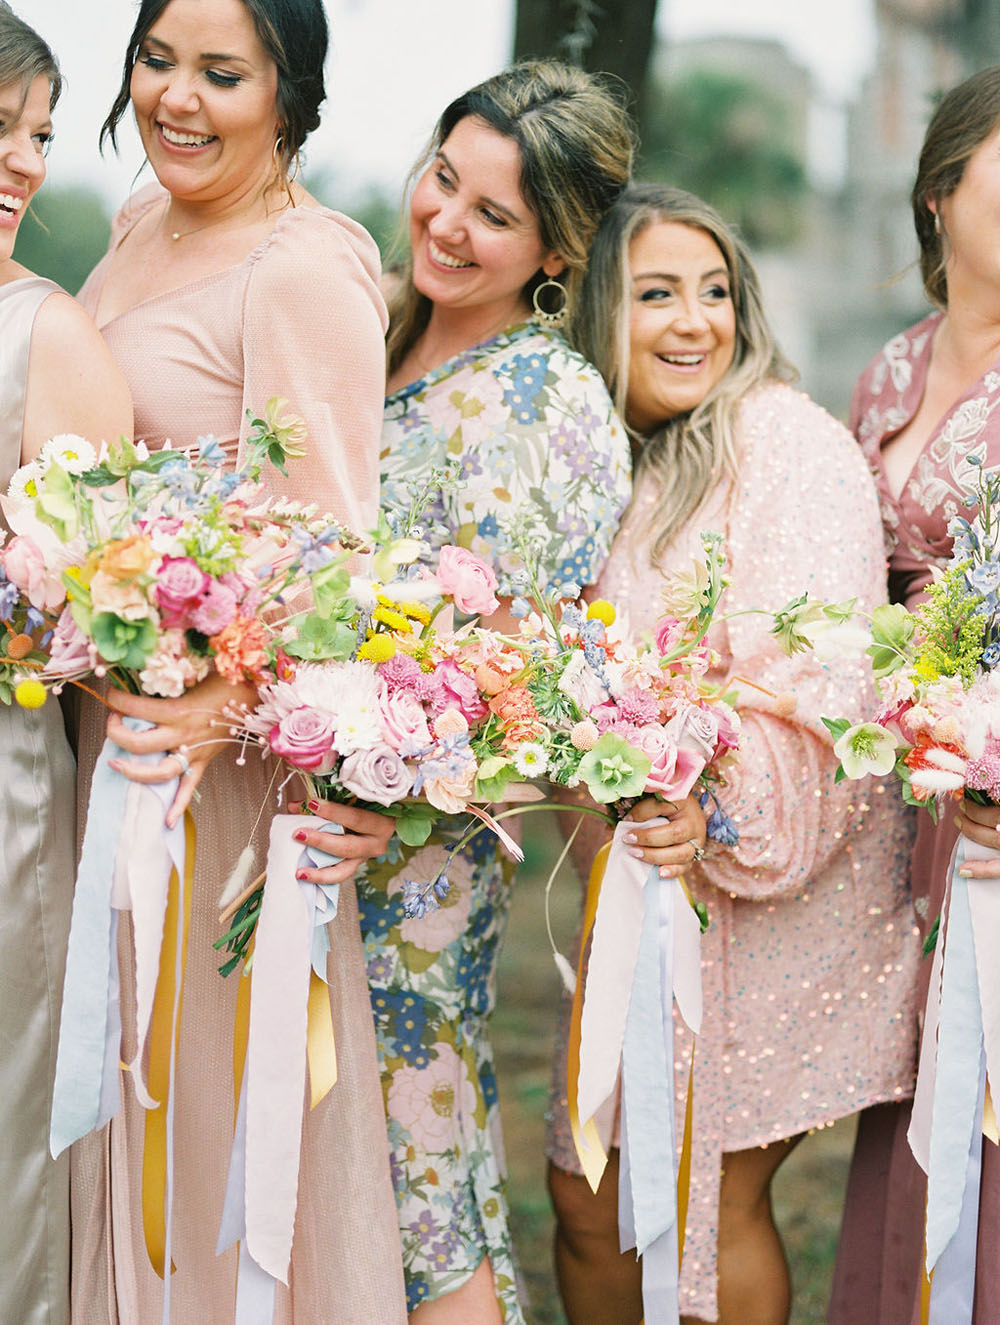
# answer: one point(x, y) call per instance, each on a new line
point(377, 775)
point(305, 738)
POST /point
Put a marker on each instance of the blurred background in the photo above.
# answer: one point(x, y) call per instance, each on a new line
point(800, 121)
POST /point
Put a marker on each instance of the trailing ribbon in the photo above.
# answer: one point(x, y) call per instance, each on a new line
point(290, 1024)
point(130, 862)
point(959, 1056)
point(645, 955)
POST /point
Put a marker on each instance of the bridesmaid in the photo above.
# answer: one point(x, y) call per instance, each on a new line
point(927, 401)
point(808, 961)
point(221, 281)
point(57, 377)
point(506, 201)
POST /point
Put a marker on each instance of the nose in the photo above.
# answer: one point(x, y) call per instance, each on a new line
point(448, 220)
point(20, 154)
point(690, 318)
point(180, 94)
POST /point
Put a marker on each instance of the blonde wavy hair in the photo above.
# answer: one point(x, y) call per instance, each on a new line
point(576, 144)
point(688, 454)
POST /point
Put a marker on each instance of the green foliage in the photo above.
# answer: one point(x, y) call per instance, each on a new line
point(951, 629)
point(64, 235)
point(892, 630)
point(730, 141)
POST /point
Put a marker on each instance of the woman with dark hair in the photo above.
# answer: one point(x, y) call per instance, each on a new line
point(808, 899)
point(506, 201)
point(56, 377)
point(226, 284)
point(925, 404)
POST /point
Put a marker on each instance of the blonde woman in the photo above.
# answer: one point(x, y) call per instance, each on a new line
point(808, 959)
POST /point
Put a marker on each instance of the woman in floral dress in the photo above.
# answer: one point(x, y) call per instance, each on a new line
point(517, 176)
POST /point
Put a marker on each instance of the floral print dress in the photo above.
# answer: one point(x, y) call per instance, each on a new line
point(531, 429)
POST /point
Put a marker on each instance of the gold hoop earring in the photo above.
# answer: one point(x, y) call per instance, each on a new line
point(551, 317)
point(937, 224)
point(278, 149)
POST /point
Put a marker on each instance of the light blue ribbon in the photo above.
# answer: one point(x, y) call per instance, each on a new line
point(647, 1174)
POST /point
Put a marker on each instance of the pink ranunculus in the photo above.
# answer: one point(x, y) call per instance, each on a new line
point(452, 793)
point(468, 580)
point(24, 564)
point(450, 723)
point(667, 634)
point(305, 738)
point(458, 690)
point(403, 720)
point(377, 775)
point(215, 610)
point(180, 583)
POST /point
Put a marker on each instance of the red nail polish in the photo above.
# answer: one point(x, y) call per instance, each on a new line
point(312, 805)
point(299, 835)
point(301, 874)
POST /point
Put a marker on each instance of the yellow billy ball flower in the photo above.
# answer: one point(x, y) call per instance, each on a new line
point(30, 694)
point(377, 649)
point(601, 610)
point(394, 620)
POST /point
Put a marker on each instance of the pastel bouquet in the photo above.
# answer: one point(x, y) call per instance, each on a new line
point(938, 727)
point(152, 568)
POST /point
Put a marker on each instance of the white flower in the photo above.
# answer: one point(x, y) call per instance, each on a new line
point(72, 453)
point(580, 682)
point(946, 772)
point(835, 639)
point(530, 759)
point(866, 748)
point(24, 483)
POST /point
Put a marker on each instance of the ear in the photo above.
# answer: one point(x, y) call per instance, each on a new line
point(931, 204)
point(553, 265)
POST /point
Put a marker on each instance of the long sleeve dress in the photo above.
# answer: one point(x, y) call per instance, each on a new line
point(300, 317)
point(37, 780)
point(809, 959)
point(881, 1245)
point(531, 428)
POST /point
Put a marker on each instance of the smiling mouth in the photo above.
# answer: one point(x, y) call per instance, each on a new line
point(185, 139)
point(684, 360)
point(446, 259)
point(9, 204)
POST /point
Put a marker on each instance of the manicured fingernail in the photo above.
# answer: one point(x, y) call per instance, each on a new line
point(312, 805)
point(965, 874)
point(636, 851)
point(668, 871)
point(302, 874)
point(116, 764)
point(630, 837)
point(299, 835)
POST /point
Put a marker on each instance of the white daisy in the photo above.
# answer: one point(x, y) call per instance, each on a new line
point(72, 453)
point(24, 484)
point(530, 759)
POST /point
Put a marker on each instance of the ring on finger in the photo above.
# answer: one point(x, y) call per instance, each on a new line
point(183, 760)
point(699, 850)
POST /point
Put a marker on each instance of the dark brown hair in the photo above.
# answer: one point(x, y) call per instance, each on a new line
point(24, 56)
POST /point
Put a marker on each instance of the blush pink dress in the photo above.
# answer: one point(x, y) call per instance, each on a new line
point(300, 317)
point(881, 1243)
point(809, 960)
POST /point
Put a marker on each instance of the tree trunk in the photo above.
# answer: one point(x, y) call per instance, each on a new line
point(609, 36)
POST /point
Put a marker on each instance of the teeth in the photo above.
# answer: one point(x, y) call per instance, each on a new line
point(9, 203)
point(445, 259)
point(185, 139)
point(683, 358)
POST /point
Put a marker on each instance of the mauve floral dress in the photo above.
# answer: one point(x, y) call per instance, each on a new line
point(531, 427)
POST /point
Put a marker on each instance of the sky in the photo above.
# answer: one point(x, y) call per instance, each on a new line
point(395, 64)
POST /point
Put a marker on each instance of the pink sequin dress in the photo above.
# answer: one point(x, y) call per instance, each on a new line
point(300, 317)
point(809, 960)
point(878, 1263)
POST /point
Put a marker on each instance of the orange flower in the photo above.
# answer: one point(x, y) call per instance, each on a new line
point(514, 705)
point(239, 648)
point(127, 558)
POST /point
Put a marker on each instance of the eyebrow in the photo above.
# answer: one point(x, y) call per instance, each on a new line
point(490, 202)
point(208, 57)
point(667, 276)
point(9, 113)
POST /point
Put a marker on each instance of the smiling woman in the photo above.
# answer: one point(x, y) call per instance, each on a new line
point(227, 284)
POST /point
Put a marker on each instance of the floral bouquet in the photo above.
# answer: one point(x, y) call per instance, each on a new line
point(152, 568)
point(939, 729)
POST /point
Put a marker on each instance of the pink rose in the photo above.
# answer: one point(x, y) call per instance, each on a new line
point(305, 738)
point(377, 775)
point(695, 729)
point(70, 650)
point(667, 634)
point(673, 772)
point(403, 720)
point(179, 585)
point(25, 566)
point(468, 580)
point(729, 730)
point(450, 723)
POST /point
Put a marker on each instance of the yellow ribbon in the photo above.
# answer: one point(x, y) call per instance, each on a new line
point(165, 1036)
point(241, 1033)
point(590, 1151)
point(320, 1047)
point(990, 1117)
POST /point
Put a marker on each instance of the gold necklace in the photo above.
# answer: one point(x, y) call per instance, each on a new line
point(175, 235)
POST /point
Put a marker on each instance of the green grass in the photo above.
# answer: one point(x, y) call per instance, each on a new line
point(808, 1191)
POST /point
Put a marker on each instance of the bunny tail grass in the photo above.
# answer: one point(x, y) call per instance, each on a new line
point(239, 878)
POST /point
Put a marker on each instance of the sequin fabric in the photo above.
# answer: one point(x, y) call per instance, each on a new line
point(810, 956)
